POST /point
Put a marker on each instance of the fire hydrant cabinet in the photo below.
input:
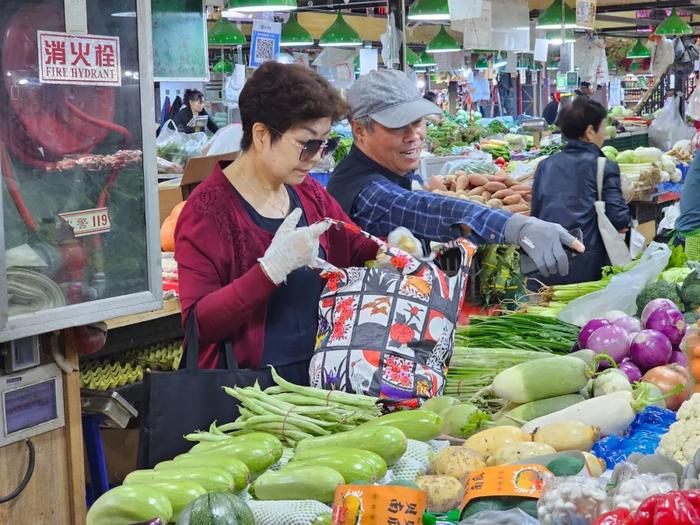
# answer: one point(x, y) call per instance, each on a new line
point(79, 236)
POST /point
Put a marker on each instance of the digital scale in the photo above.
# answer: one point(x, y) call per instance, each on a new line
point(31, 403)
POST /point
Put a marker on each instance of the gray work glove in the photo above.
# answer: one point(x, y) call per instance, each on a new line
point(543, 242)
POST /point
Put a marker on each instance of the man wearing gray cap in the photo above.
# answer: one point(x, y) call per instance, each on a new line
point(373, 184)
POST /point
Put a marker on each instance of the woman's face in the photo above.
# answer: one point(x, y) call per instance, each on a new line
point(283, 158)
point(197, 105)
point(596, 136)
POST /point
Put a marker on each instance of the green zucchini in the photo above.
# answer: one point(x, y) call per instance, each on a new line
point(179, 492)
point(257, 457)
point(211, 478)
point(389, 442)
point(259, 438)
point(309, 482)
point(421, 425)
point(541, 378)
point(534, 409)
point(375, 460)
point(238, 469)
point(439, 404)
point(351, 469)
point(125, 505)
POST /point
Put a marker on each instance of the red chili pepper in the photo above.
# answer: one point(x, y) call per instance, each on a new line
point(614, 517)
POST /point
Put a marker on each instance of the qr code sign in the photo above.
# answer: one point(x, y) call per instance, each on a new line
point(264, 50)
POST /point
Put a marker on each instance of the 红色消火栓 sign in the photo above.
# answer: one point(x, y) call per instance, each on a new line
point(85, 60)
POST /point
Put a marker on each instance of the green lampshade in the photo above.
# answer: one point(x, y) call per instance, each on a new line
point(224, 33)
point(426, 60)
point(356, 64)
point(481, 64)
point(635, 66)
point(551, 17)
point(553, 65)
point(340, 34)
point(554, 36)
point(443, 43)
point(429, 10)
point(412, 58)
point(256, 6)
point(639, 51)
point(222, 66)
point(674, 25)
point(294, 34)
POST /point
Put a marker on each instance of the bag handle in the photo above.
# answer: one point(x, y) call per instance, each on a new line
point(600, 174)
point(190, 347)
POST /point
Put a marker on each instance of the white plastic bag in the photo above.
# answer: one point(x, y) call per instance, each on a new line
point(226, 140)
point(500, 517)
point(669, 127)
point(671, 214)
point(622, 291)
point(693, 108)
point(662, 56)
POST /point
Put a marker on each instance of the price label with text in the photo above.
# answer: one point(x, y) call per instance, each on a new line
point(87, 222)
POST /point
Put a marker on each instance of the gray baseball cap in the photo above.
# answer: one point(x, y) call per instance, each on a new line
point(389, 97)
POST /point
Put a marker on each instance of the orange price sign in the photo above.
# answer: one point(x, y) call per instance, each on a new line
point(378, 505)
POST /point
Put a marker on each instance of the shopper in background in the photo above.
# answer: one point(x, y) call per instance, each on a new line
point(565, 188)
point(430, 96)
point(193, 106)
point(688, 224)
point(585, 90)
point(248, 233)
point(550, 110)
point(481, 92)
point(373, 183)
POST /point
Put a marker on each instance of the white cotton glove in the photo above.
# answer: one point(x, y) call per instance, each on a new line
point(292, 248)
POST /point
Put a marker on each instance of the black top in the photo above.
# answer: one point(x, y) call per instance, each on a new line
point(355, 173)
point(550, 111)
point(291, 322)
point(565, 191)
point(185, 115)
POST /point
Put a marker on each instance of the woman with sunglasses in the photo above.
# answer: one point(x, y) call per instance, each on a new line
point(248, 234)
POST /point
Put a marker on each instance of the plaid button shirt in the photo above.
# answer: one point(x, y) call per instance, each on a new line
point(383, 206)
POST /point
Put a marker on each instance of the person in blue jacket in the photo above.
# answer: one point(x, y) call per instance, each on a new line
point(688, 224)
point(565, 189)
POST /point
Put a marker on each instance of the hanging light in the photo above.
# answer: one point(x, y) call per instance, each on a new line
point(412, 58)
point(481, 64)
point(429, 11)
point(551, 18)
point(426, 60)
point(294, 34)
point(443, 43)
point(223, 66)
point(257, 6)
point(340, 34)
point(674, 25)
point(224, 33)
point(639, 51)
point(554, 37)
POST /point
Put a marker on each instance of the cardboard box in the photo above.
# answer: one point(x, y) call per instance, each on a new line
point(648, 229)
point(174, 191)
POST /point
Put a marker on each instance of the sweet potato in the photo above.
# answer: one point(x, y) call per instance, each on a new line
point(503, 193)
point(476, 191)
point(462, 182)
point(460, 173)
point(476, 198)
point(494, 186)
point(494, 203)
point(478, 180)
point(521, 187)
point(512, 199)
point(436, 183)
point(527, 197)
point(517, 208)
point(486, 196)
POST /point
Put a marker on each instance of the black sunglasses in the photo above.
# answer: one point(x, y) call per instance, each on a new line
point(310, 148)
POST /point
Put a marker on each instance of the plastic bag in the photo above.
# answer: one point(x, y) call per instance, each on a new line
point(631, 487)
point(226, 140)
point(671, 214)
point(572, 500)
point(476, 162)
point(169, 140)
point(693, 108)
point(622, 291)
point(504, 517)
point(662, 56)
point(669, 127)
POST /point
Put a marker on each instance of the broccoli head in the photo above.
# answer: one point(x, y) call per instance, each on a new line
point(690, 290)
point(657, 290)
point(691, 317)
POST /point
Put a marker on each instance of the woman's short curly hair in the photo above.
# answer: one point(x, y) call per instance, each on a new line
point(282, 96)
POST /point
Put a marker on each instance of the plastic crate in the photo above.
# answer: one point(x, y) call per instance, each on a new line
point(626, 141)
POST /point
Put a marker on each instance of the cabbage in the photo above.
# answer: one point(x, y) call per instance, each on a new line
point(626, 157)
point(610, 152)
point(611, 131)
point(648, 154)
point(668, 164)
point(676, 176)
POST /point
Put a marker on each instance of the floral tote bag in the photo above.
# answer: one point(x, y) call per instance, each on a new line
point(388, 331)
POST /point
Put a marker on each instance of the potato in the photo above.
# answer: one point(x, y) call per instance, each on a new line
point(444, 492)
point(512, 199)
point(462, 182)
point(494, 203)
point(517, 451)
point(457, 462)
point(567, 435)
point(478, 180)
point(517, 208)
point(489, 441)
point(503, 193)
point(494, 186)
point(476, 191)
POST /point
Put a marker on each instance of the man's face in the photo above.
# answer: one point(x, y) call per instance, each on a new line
point(397, 149)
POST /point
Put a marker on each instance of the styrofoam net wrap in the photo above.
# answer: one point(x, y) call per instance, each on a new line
point(406, 468)
point(438, 444)
point(296, 512)
point(418, 451)
point(287, 454)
